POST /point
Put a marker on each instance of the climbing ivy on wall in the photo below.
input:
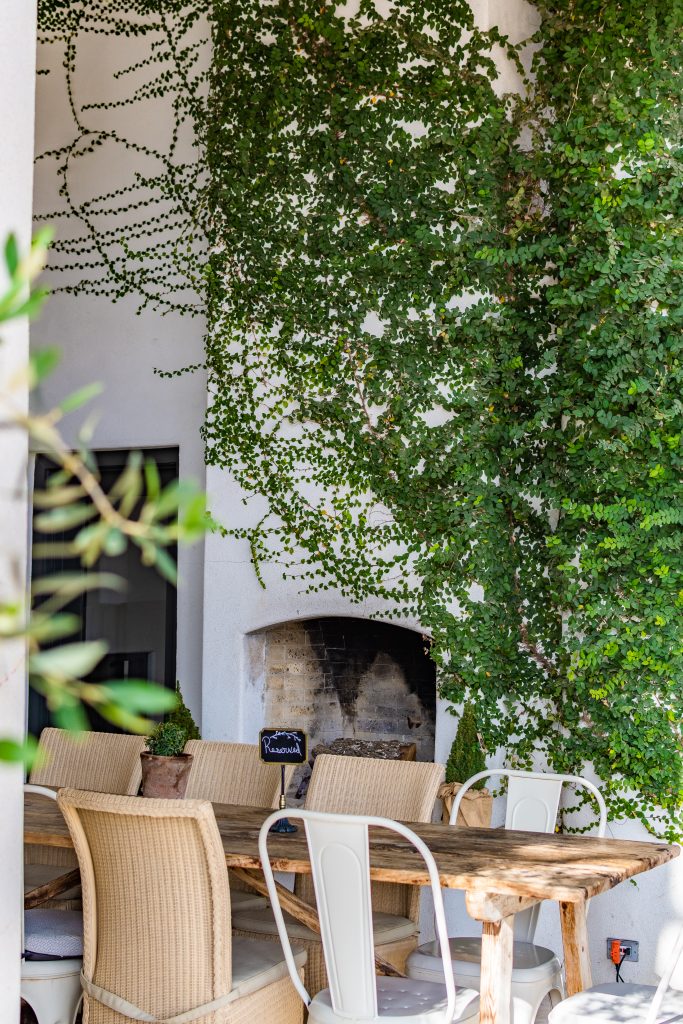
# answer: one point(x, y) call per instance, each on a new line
point(613, 167)
point(447, 324)
point(131, 78)
point(444, 347)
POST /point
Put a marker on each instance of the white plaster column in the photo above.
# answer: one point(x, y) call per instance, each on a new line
point(17, 86)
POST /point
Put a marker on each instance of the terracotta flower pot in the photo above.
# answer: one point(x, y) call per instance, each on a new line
point(165, 777)
point(475, 809)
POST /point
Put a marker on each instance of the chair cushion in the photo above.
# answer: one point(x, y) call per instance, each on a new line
point(387, 927)
point(398, 998)
point(530, 963)
point(53, 933)
point(240, 901)
point(256, 964)
point(616, 1004)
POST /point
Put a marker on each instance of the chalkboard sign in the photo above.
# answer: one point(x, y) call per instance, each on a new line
point(283, 746)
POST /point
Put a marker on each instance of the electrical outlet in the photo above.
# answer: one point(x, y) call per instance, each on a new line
point(629, 949)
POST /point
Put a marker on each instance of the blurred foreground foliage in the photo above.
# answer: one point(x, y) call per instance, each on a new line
point(136, 511)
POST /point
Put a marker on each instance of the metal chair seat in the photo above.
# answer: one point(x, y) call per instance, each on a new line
point(401, 998)
point(617, 1004)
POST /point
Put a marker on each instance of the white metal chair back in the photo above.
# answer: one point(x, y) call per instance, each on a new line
point(532, 803)
point(533, 800)
point(666, 981)
point(340, 865)
point(31, 787)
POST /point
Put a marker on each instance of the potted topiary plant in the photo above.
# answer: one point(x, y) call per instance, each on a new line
point(182, 716)
point(465, 760)
point(165, 769)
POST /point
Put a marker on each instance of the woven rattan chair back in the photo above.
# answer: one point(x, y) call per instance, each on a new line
point(156, 903)
point(233, 773)
point(399, 790)
point(104, 762)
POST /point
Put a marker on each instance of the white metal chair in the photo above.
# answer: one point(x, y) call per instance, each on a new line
point(626, 1003)
point(52, 987)
point(340, 865)
point(533, 800)
point(398, 790)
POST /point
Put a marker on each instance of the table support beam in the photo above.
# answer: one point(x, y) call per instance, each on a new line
point(486, 906)
point(303, 912)
point(496, 971)
point(49, 890)
point(576, 951)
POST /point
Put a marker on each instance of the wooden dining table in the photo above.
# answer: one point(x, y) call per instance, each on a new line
point(501, 871)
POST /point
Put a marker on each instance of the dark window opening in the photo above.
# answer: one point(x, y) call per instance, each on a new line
point(138, 623)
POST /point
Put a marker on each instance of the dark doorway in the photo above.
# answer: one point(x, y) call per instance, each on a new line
point(139, 623)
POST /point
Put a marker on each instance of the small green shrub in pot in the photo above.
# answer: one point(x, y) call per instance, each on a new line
point(182, 716)
point(167, 740)
point(165, 768)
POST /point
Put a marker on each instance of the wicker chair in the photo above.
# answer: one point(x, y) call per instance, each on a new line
point(104, 762)
point(402, 790)
point(156, 918)
point(233, 773)
point(53, 950)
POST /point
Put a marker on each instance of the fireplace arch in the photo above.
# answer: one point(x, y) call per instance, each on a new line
point(343, 677)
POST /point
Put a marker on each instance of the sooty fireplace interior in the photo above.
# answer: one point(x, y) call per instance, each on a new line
point(345, 677)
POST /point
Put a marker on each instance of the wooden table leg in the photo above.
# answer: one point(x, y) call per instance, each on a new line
point(577, 962)
point(495, 1005)
point(497, 914)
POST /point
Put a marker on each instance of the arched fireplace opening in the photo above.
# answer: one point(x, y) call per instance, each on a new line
point(343, 678)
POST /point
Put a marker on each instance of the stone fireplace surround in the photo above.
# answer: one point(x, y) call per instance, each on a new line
point(342, 677)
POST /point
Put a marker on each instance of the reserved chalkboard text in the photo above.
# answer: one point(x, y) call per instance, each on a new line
point(283, 746)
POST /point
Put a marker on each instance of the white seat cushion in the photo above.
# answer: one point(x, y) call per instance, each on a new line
point(616, 1004)
point(240, 901)
point(256, 964)
point(387, 927)
point(53, 932)
point(530, 963)
point(398, 998)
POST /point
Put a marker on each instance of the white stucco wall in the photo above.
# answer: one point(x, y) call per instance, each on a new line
point(105, 341)
point(17, 81)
